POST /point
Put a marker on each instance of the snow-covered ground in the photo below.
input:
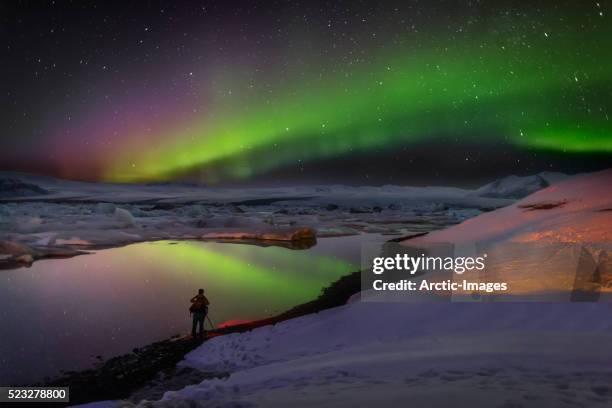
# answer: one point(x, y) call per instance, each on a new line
point(483, 354)
point(577, 209)
point(433, 355)
point(557, 239)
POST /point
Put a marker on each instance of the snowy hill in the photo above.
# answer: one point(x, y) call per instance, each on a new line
point(578, 209)
point(557, 240)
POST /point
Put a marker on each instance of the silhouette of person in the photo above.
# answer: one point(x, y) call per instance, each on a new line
point(199, 308)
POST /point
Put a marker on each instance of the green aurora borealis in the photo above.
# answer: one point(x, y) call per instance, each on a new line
point(221, 93)
point(551, 94)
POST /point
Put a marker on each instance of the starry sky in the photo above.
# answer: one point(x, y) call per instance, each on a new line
point(286, 92)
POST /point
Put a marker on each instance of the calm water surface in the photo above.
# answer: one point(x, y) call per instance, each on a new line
point(61, 314)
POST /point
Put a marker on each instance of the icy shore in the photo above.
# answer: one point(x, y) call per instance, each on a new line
point(558, 239)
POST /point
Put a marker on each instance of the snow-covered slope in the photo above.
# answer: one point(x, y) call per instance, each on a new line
point(557, 240)
point(578, 209)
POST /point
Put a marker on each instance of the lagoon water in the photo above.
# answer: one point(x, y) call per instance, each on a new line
point(62, 314)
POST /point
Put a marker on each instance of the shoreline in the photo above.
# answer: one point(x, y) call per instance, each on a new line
point(19, 255)
point(128, 374)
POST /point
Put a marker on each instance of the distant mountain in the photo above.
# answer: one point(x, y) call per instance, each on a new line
point(516, 187)
point(16, 184)
point(10, 187)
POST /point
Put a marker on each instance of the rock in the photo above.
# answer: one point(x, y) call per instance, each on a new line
point(267, 234)
point(13, 248)
point(290, 234)
point(26, 259)
point(124, 217)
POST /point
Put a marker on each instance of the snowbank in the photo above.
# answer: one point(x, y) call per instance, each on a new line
point(576, 210)
point(557, 240)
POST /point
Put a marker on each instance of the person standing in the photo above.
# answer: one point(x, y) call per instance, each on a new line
point(199, 309)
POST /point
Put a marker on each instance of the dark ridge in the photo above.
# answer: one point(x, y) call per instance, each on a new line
point(543, 206)
point(10, 187)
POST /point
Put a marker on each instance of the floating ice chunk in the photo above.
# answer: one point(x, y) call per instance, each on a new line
point(267, 234)
point(105, 208)
point(72, 241)
point(124, 217)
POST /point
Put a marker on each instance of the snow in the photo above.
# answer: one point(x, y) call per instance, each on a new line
point(362, 354)
point(562, 233)
point(581, 212)
point(361, 325)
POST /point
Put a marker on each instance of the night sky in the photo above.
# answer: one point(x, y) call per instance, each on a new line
point(359, 92)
